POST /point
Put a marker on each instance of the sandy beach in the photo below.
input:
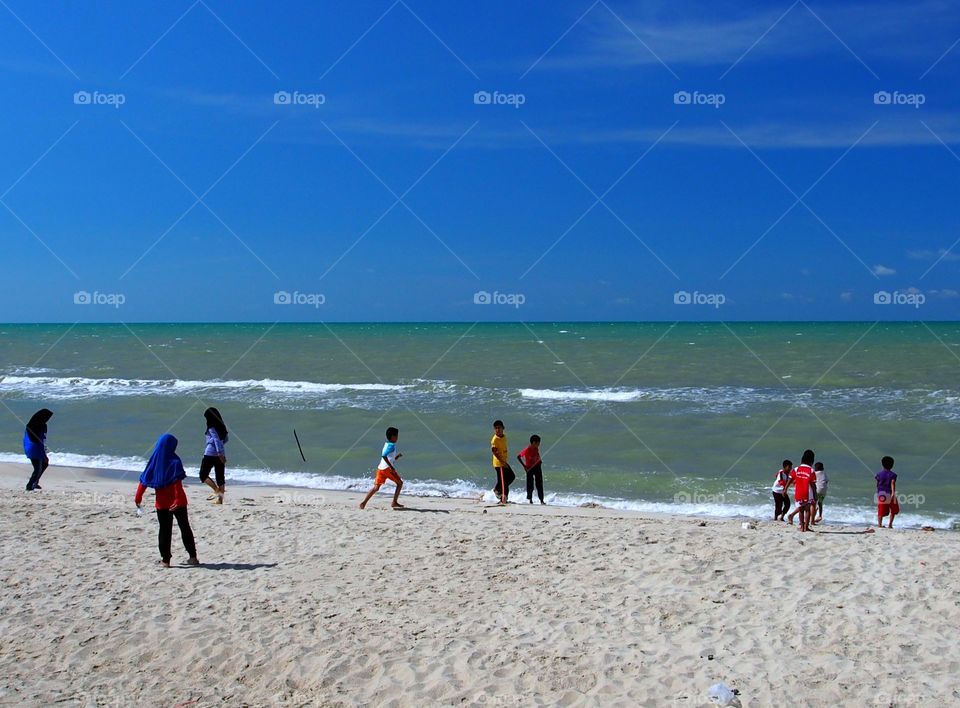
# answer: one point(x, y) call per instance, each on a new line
point(302, 599)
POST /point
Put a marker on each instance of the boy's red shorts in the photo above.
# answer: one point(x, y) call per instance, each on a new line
point(384, 475)
point(891, 507)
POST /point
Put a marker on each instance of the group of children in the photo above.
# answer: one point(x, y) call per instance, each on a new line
point(529, 458)
point(810, 481)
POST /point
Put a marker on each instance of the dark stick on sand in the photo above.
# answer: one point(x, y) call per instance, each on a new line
point(298, 444)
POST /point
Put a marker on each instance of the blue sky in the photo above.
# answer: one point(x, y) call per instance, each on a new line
point(814, 165)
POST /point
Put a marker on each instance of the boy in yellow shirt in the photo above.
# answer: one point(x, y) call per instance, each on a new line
point(505, 475)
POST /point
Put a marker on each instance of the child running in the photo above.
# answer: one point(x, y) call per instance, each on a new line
point(530, 459)
point(505, 475)
point(387, 470)
point(781, 500)
point(164, 473)
point(887, 492)
point(822, 482)
point(802, 477)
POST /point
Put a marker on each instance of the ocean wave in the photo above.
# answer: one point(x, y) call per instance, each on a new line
point(463, 489)
point(73, 387)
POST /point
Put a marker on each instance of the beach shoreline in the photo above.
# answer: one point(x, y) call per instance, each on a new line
point(303, 599)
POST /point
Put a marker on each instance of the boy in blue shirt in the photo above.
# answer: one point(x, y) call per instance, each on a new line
point(387, 470)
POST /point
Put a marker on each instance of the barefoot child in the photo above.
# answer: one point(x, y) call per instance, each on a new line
point(887, 492)
point(802, 477)
point(215, 455)
point(822, 482)
point(530, 459)
point(387, 470)
point(781, 500)
point(164, 473)
point(505, 475)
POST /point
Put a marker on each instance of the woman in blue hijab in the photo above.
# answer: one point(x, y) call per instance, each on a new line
point(35, 445)
point(164, 473)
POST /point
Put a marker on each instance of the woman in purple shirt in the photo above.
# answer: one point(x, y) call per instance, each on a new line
point(214, 454)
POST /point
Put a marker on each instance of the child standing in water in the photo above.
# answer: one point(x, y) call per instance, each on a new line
point(215, 455)
point(164, 473)
point(387, 470)
point(822, 482)
point(781, 500)
point(887, 492)
point(530, 459)
point(35, 446)
point(803, 477)
point(505, 475)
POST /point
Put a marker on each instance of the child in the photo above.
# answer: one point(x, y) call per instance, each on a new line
point(530, 459)
point(35, 446)
point(505, 475)
point(387, 470)
point(214, 454)
point(802, 477)
point(886, 492)
point(822, 482)
point(164, 473)
point(781, 500)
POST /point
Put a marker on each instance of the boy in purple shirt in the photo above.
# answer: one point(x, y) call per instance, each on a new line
point(886, 492)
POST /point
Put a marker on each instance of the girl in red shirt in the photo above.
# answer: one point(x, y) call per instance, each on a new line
point(164, 473)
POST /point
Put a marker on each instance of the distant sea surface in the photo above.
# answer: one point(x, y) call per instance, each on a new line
point(687, 418)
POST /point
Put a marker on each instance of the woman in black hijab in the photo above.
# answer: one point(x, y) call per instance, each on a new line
point(214, 454)
point(34, 446)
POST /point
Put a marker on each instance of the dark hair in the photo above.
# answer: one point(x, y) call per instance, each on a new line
point(808, 457)
point(391, 432)
point(498, 424)
point(215, 421)
point(37, 425)
point(818, 466)
point(534, 438)
point(787, 462)
point(887, 462)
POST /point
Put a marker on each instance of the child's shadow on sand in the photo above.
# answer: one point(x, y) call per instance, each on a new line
point(234, 566)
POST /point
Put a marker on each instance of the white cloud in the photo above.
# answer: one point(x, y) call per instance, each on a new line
point(927, 254)
point(847, 296)
point(882, 270)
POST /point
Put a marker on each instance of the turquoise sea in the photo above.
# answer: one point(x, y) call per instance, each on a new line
point(691, 417)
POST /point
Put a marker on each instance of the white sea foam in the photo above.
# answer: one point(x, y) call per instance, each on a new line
point(72, 387)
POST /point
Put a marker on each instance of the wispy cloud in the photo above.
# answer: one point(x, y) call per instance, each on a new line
point(882, 270)
point(933, 255)
point(707, 34)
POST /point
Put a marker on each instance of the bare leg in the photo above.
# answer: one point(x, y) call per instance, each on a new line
point(373, 490)
point(396, 496)
point(210, 483)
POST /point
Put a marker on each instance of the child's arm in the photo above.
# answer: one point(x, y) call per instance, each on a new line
point(389, 464)
point(496, 453)
point(522, 462)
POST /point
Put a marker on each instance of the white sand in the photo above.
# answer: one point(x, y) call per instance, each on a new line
point(305, 600)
